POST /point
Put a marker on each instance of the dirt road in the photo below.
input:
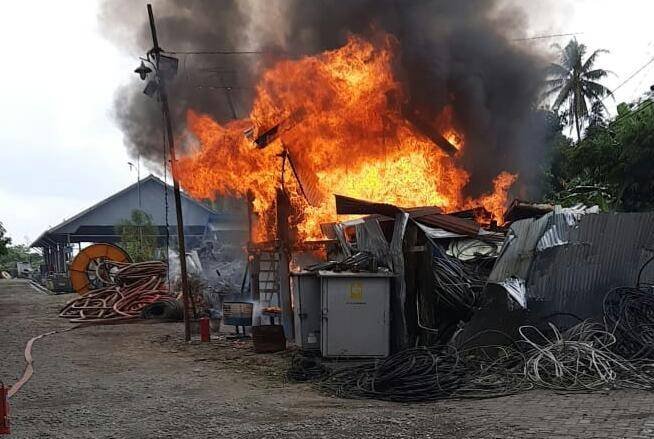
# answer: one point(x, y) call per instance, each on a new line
point(142, 381)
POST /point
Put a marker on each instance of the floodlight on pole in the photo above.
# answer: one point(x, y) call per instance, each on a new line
point(143, 70)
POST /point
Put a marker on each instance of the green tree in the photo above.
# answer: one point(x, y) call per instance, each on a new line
point(138, 236)
point(19, 253)
point(611, 166)
point(633, 171)
point(5, 241)
point(574, 80)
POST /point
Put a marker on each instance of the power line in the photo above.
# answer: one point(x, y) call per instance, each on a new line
point(633, 74)
point(220, 52)
point(644, 75)
point(224, 87)
point(542, 37)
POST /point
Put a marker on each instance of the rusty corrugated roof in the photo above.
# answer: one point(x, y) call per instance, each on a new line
point(428, 215)
point(352, 206)
point(451, 224)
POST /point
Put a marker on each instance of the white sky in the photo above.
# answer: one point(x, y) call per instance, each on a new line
point(61, 152)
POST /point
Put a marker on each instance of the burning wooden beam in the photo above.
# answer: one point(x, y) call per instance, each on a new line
point(427, 129)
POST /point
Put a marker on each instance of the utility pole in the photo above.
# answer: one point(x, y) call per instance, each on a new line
point(163, 95)
point(138, 177)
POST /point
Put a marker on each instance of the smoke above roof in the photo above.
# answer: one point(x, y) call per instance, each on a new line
point(452, 52)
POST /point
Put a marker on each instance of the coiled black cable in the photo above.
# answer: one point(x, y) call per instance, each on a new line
point(306, 366)
point(629, 315)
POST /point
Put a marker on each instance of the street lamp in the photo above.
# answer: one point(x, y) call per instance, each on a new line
point(143, 70)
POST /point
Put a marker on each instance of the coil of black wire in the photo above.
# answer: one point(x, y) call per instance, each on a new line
point(629, 315)
point(418, 374)
point(305, 366)
point(455, 285)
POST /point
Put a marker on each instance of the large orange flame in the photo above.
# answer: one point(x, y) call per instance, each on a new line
point(339, 121)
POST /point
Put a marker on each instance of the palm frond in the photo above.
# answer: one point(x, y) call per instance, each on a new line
point(595, 89)
point(545, 94)
point(601, 104)
point(590, 61)
point(563, 95)
point(596, 74)
point(557, 70)
point(572, 54)
point(555, 83)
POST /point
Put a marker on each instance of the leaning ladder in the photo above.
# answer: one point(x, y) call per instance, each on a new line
point(269, 278)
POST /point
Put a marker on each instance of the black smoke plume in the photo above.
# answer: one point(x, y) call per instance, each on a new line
point(456, 52)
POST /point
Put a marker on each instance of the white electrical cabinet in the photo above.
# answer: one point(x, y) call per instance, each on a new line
point(305, 287)
point(355, 314)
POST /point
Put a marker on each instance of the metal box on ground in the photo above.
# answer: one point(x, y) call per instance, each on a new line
point(305, 287)
point(237, 313)
point(59, 283)
point(355, 314)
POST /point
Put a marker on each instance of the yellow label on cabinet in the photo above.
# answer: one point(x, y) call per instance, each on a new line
point(356, 291)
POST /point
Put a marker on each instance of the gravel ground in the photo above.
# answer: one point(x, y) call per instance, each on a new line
point(142, 381)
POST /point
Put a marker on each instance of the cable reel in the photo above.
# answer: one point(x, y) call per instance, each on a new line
point(91, 269)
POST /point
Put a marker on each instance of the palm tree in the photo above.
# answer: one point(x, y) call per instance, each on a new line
point(574, 80)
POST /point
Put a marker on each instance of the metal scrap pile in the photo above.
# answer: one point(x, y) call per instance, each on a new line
point(473, 338)
point(359, 261)
point(588, 356)
point(130, 288)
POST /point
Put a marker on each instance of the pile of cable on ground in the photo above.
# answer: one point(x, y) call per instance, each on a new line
point(629, 315)
point(578, 359)
point(132, 288)
point(432, 373)
point(418, 374)
point(306, 366)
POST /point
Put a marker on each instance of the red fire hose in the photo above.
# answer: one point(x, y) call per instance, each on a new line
point(4, 410)
point(138, 285)
point(6, 393)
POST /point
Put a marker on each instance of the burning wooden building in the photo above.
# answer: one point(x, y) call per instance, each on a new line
point(340, 123)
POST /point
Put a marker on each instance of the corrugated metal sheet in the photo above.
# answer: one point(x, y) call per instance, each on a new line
point(569, 260)
point(451, 224)
point(417, 212)
point(371, 238)
point(427, 215)
point(352, 206)
point(308, 182)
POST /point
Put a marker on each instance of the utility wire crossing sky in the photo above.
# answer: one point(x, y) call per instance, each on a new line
point(62, 151)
